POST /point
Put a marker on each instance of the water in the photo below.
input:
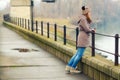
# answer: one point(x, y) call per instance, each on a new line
point(105, 16)
point(107, 44)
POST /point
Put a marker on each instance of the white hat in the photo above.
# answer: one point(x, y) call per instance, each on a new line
point(85, 10)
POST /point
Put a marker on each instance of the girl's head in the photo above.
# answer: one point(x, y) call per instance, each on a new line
point(86, 12)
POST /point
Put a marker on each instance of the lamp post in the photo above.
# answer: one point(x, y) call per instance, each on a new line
point(32, 20)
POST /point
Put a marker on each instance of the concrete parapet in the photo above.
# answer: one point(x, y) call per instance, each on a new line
point(96, 67)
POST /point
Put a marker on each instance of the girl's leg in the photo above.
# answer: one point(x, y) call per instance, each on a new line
point(77, 57)
point(72, 60)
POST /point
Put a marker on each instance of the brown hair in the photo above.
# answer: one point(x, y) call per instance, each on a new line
point(88, 18)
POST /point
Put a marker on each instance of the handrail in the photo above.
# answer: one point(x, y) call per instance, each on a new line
point(116, 54)
point(39, 27)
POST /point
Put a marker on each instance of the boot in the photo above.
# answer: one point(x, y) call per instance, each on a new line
point(67, 69)
point(73, 70)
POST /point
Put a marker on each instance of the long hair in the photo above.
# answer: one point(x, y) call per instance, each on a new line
point(88, 18)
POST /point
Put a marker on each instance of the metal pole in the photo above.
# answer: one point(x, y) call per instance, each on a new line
point(28, 24)
point(36, 26)
point(32, 21)
point(64, 34)
point(48, 29)
point(77, 32)
point(116, 49)
point(55, 32)
point(93, 43)
point(42, 28)
point(20, 22)
point(17, 20)
point(25, 23)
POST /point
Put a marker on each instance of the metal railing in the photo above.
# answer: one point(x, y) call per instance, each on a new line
point(62, 33)
point(116, 52)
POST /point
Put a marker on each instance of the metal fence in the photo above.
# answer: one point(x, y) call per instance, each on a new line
point(64, 34)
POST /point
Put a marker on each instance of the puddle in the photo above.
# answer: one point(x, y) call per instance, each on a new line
point(25, 49)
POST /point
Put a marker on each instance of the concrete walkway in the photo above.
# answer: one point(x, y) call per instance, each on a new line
point(31, 65)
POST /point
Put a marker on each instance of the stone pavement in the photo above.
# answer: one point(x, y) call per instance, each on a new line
point(35, 64)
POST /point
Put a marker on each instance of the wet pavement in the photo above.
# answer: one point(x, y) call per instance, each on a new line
point(34, 64)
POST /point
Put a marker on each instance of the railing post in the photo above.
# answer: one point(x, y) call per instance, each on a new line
point(32, 15)
point(25, 23)
point(77, 32)
point(28, 24)
point(36, 26)
point(48, 35)
point(20, 21)
point(93, 43)
point(42, 28)
point(13, 20)
point(64, 34)
point(116, 49)
point(17, 20)
point(32, 25)
point(10, 19)
point(55, 32)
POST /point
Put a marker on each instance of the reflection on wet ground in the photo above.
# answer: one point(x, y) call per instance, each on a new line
point(24, 49)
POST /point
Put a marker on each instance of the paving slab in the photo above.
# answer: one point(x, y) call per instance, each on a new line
point(32, 65)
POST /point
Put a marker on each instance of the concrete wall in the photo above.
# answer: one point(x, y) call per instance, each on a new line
point(96, 67)
point(20, 8)
point(20, 2)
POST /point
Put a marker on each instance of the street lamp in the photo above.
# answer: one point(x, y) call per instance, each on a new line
point(31, 11)
point(32, 20)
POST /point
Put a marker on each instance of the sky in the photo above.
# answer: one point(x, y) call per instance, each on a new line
point(3, 4)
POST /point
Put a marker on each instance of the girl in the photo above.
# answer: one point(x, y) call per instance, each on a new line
point(83, 40)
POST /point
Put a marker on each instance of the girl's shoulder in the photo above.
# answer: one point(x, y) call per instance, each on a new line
point(82, 17)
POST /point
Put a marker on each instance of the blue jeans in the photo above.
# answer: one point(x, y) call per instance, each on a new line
point(76, 58)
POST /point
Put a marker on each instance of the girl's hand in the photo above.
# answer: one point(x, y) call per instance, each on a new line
point(94, 30)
